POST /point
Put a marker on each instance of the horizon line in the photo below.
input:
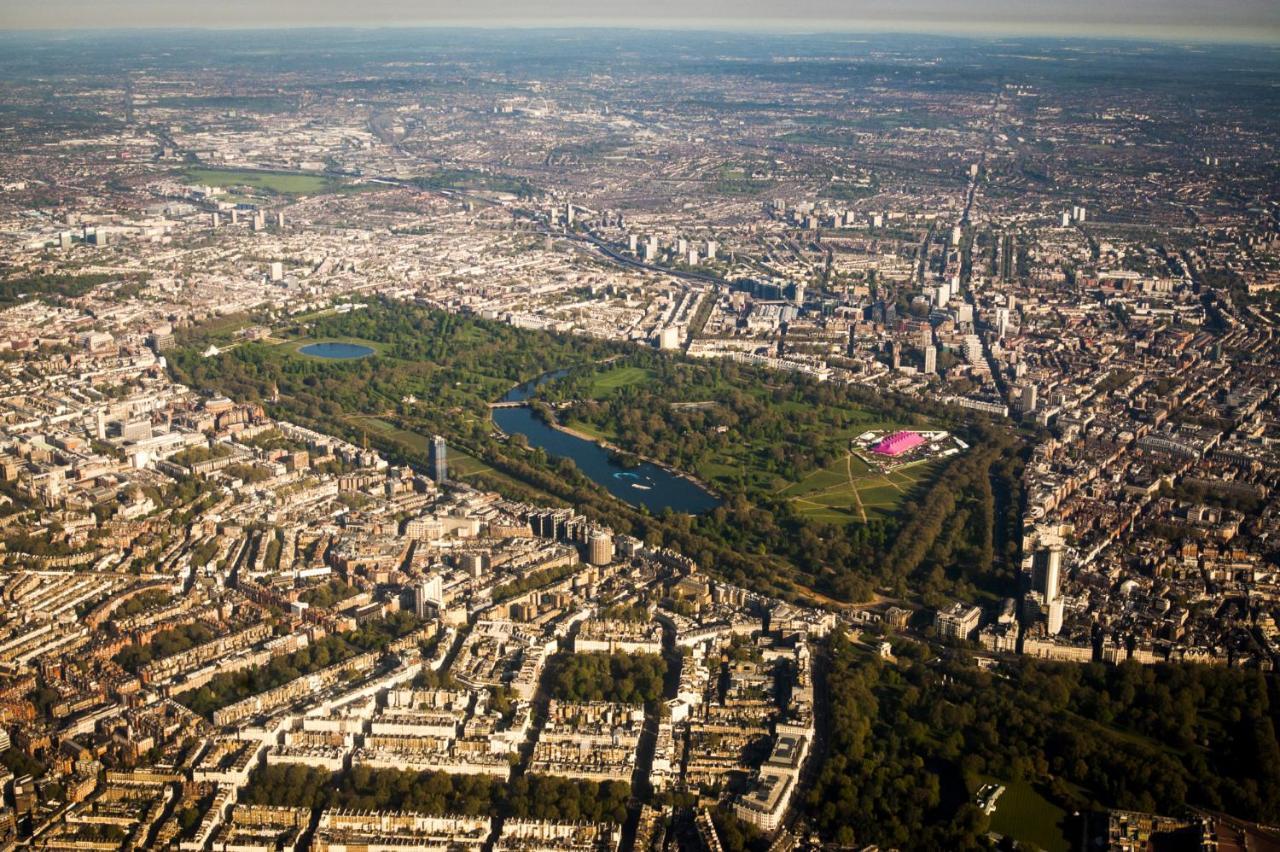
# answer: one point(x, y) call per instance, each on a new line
point(978, 31)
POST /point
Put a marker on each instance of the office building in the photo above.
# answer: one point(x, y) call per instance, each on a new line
point(428, 596)
point(1046, 572)
point(600, 548)
point(1030, 398)
point(437, 459)
point(958, 622)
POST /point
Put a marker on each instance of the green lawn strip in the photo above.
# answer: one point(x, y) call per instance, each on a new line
point(592, 432)
point(826, 516)
point(462, 464)
point(413, 440)
point(718, 471)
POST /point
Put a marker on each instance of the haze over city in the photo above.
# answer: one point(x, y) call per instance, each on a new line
point(1248, 20)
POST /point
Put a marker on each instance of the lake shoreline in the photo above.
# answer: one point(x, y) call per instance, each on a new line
point(600, 460)
point(614, 448)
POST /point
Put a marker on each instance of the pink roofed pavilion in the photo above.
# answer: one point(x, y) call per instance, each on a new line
point(898, 443)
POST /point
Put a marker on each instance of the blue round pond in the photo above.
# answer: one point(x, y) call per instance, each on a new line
point(334, 351)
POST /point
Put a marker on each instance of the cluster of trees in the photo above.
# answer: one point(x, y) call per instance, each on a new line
point(250, 473)
point(910, 744)
point(763, 429)
point(457, 362)
point(273, 439)
point(47, 542)
point(430, 679)
point(143, 602)
point(291, 785)
point(325, 595)
point(625, 678)
point(736, 835)
point(947, 544)
point(190, 811)
point(230, 687)
point(565, 799)
point(273, 542)
point(1205, 492)
point(166, 643)
point(51, 286)
point(474, 180)
point(195, 455)
point(636, 613)
point(20, 763)
point(423, 792)
point(533, 580)
point(100, 833)
point(529, 797)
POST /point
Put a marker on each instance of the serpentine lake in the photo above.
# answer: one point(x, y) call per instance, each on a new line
point(647, 484)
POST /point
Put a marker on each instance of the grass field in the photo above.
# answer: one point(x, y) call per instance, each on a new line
point(589, 430)
point(224, 328)
point(275, 183)
point(605, 383)
point(1029, 818)
point(412, 440)
point(849, 490)
point(730, 180)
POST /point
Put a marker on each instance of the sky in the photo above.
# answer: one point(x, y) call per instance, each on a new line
point(1227, 20)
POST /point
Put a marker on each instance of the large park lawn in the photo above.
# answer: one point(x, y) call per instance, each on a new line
point(849, 490)
point(276, 183)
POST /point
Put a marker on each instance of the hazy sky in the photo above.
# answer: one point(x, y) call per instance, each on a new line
point(1253, 20)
